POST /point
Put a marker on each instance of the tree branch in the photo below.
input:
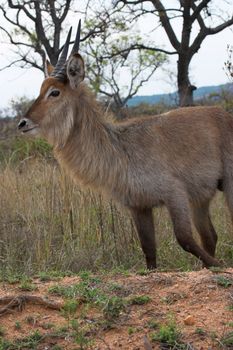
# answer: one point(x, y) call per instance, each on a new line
point(197, 17)
point(219, 28)
point(22, 7)
point(198, 9)
point(166, 24)
point(136, 47)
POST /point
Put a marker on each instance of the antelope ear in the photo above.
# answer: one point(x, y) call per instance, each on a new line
point(48, 69)
point(75, 70)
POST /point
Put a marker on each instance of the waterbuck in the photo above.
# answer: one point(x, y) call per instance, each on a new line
point(178, 159)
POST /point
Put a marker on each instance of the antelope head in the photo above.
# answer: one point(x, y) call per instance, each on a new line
point(51, 116)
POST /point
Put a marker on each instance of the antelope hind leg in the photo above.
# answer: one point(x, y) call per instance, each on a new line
point(205, 228)
point(143, 219)
point(181, 218)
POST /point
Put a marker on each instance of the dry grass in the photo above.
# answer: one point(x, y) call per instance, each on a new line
point(47, 223)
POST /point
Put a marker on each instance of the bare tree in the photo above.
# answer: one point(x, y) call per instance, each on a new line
point(200, 14)
point(34, 26)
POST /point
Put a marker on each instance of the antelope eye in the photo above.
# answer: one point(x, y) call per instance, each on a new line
point(54, 93)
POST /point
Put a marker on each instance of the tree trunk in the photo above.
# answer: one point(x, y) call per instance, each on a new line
point(185, 88)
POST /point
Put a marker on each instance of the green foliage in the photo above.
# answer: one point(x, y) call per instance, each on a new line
point(152, 324)
point(69, 308)
point(227, 340)
point(148, 109)
point(19, 149)
point(113, 307)
point(2, 331)
point(23, 148)
point(223, 281)
point(46, 276)
point(79, 335)
point(132, 330)
point(167, 334)
point(200, 331)
point(30, 342)
point(86, 291)
point(139, 300)
point(224, 98)
point(26, 285)
point(18, 325)
point(10, 277)
point(5, 344)
point(56, 347)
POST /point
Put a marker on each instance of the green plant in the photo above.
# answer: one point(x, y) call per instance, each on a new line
point(82, 340)
point(2, 331)
point(69, 309)
point(167, 334)
point(46, 276)
point(18, 325)
point(4, 344)
point(223, 281)
point(132, 330)
point(30, 342)
point(56, 347)
point(139, 300)
point(31, 319)
point(143, 272)
point(27, 286)
point(48, 325)
point(227, 340)
point(113, 308)
point(87, 291)
point(200, 331)
point(24, 148)
point(80, 335)
point(152, 324)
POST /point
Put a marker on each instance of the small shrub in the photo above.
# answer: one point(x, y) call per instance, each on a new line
point(27, 286)
point(132, 330)
point(152, 324)
point(139, 300)
point(69, 308)
point(200, 331)
point(29, 342)
point(18, 325)
point(227, 340)
point(223, 281)
point(167, 334)
point(113, 308)
point(2, 331)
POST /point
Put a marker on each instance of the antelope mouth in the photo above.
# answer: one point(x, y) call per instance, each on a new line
point(29, 129)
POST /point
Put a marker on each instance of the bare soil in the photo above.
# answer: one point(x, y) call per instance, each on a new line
point(200, 303)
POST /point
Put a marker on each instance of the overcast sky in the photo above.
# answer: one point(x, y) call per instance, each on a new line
point(206, 69)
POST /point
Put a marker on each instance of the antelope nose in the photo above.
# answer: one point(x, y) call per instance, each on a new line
point(22, 123)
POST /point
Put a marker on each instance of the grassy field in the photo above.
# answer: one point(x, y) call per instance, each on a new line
point(48, 223)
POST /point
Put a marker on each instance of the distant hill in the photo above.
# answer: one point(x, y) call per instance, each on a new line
point(172, 98)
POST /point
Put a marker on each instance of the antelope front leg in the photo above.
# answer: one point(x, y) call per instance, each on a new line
point(143, 219)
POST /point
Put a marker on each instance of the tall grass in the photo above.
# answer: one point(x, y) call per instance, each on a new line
point(48, 223)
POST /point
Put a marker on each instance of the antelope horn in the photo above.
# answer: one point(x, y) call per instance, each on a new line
point(75, 48)
point(60, 69)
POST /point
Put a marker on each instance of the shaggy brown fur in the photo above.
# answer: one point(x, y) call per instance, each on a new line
point(177, 159)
